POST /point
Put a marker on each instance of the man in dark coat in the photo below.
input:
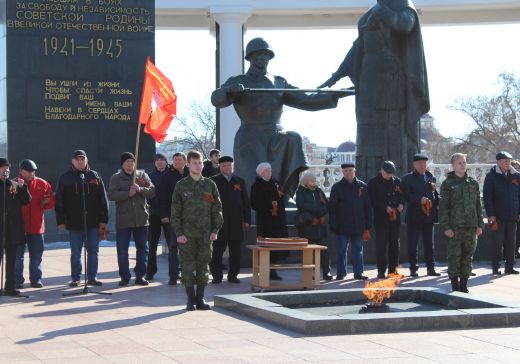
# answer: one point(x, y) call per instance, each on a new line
point(350, 217)
point(260, 137)
point(387, 203)
point(12, 196)
point(177, 171)
point(69, 214)
point(422, 198)
point(237, 217)
point(156, 225)
point(502, 204)
point(211, 168)
point(387, 66)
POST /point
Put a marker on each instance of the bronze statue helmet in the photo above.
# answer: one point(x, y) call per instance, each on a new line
point(258, 44)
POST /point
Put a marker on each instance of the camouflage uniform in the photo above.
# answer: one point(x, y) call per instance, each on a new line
point(196, 213)
point(461, 211)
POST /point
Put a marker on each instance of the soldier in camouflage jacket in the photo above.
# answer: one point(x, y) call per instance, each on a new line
point(460, 217)
point(196, 219)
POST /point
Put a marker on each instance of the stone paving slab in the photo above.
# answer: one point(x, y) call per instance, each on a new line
point(149, 324)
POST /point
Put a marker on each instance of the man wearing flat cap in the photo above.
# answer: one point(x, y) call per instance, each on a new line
point(130, 189)
point(237, 217)
point(387, 202)
point(350, 216)
point(502, 204)
point(156, 225)
point(420, 193)
point(13, 195)
point(42, 199)
point(69, 214)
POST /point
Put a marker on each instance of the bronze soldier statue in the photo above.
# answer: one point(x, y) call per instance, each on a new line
point(387, 66)
point(260, 137)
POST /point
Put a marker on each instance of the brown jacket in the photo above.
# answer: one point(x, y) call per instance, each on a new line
point(130, 211)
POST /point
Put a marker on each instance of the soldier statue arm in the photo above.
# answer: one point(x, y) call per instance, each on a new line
point(226, 94)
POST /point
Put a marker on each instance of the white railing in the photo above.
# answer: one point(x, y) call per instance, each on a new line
point(327, 175)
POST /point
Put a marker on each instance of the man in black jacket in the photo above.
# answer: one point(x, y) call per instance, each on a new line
point(69, 209)
point(237, 217)
point(211, 167)
point(502, 202)
point(422, 198)
point(12, 196)
point(350, 217)
point(156, 225)
point(177, 171)
point(387, 202)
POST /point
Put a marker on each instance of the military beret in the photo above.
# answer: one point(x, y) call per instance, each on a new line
point(4, 162)
point(348, 165)
point(79, 153)
point(388, 167)
point(420, 157)
point(503, 155)
point(160, 156)
point(225, 158)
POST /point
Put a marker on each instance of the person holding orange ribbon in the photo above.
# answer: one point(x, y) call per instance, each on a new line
point(501, 195)
point(237, 218)
point(387, 202)
point(422, 198)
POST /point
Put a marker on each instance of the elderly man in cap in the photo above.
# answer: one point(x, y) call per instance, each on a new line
point(350, 219)
point(422, 198)
point(387, 202)
point(502, 204)
point(237, 217)
point(156, 225)
point(130, 189)
point(13, 195)
point(70, 212)
point(42, 199)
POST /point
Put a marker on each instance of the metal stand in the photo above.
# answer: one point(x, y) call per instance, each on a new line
point(3, 246)
point(85, 286)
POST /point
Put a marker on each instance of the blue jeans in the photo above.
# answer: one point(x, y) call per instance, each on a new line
point(173, 256)
point(35, 246)
point(76, 244)
point(356, 243)
point(141, 245)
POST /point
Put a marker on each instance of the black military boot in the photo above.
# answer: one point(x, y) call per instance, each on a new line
point(455, 283)
point(200, 303)
point(463, 285)
point(190, 292)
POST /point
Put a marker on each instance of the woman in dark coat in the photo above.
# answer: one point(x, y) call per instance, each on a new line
point(13, 194)
point(310, 219)
point(267, 201)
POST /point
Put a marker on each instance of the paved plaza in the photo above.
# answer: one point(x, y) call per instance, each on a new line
point(149, 324)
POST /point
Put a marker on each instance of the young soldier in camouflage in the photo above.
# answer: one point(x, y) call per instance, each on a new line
point(460, 216)
point(196, 219)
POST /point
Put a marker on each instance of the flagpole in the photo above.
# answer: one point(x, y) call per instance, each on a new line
point(137, 140)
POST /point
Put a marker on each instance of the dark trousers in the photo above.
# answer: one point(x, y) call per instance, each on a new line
point(504, 239)
point(10, 261)
point(219, 247)
point(122, 244)
point(387, 245)
point(415, 230)
point(154, 234)
point(324, 257)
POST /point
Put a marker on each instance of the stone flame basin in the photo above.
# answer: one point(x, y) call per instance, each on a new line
point(339, 311)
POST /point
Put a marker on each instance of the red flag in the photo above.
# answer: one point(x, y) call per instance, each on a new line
point(159, 87)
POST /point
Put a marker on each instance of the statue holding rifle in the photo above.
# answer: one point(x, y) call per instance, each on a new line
point(258, 99)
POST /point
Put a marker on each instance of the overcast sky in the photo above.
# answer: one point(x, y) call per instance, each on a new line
point(461, 60)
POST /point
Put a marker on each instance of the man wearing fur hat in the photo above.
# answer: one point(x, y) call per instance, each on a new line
point(130, 189)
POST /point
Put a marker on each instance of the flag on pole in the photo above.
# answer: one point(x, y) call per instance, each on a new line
point(159, 88)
